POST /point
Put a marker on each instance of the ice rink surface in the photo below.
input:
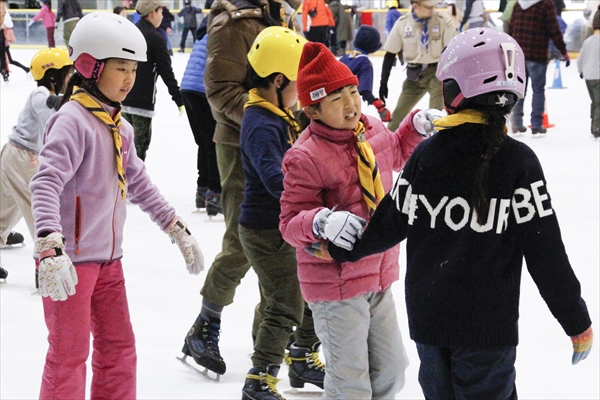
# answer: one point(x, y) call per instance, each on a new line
point(164, 300)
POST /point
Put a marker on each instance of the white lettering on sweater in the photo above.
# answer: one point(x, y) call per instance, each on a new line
point(457, 213)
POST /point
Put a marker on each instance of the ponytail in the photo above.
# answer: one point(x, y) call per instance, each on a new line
point(493, 137)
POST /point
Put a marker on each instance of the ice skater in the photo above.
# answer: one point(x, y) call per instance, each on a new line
point(343, 163)
point(87, 169)
point(472, 202)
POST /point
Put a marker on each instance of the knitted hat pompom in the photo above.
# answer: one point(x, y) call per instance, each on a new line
point(320, 73)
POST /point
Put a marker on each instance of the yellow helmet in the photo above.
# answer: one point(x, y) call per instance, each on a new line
point(276, 49)
point(52, 58)
point(391, 3)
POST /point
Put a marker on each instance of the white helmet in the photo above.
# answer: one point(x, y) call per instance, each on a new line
point(103, 35)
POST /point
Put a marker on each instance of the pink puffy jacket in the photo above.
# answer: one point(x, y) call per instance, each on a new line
point(320, 170)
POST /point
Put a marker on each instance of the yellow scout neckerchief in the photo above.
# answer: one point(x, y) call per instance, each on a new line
point(368, 171)
point(255, 100)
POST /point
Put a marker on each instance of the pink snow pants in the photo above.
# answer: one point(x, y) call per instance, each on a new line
point(99, 306)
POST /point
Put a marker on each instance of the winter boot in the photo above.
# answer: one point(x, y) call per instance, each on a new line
point(201, 197)
point(261, 384)
point(305, 366)
point(14, 238)
point(213, 203)
point(202, 344)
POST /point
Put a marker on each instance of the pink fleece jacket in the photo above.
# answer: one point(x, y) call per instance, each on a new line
point(76, 192)
point(46, 15)
point(320, 170)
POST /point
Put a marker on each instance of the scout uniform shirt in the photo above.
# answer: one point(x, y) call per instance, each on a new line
point(406, 35)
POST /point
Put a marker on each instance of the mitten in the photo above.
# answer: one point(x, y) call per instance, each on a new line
point(57, 275)
point(181, 110)
point(566, 59)
point(582, 345)
point(423, 121)
point(384, 113)
point(181, 236)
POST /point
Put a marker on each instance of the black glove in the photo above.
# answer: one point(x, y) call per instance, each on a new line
point(383, 90)
point(581, 75)
point(386, 68)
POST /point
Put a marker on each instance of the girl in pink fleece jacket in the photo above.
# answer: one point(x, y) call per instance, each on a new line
point(87, 168)
point(344, 161)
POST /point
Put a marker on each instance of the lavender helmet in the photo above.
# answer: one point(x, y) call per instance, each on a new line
point(482, 66)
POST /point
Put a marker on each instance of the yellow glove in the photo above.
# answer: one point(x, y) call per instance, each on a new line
point(181, 110)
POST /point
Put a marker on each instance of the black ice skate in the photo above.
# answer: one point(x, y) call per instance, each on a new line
point(202, 344)
point(3, 275)
point(201, 198)
point(304, 367)
point(261, 384)
point(213, 204)
point(14, 239)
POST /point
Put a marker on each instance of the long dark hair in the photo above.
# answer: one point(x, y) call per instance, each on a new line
point(76, 80)
point(493, 137)
point(55, 79)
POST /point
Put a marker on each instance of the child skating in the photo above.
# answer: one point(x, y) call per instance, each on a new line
point(343, 162)
point(87, 169)
point(473, 203)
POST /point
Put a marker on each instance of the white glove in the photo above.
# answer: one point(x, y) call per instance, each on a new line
point(31, 22)
point(57, 275)
point(423, 121)
point(340, 227)
point(180, 235)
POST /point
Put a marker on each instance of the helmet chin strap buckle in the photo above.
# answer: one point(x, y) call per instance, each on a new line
point(508, 49)
point(89, 67)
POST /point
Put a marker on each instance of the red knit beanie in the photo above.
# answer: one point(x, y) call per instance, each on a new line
point(320, 73)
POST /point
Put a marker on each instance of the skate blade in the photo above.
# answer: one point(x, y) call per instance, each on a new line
point(303, 393)
point(199, 211)
point(215, 218)
point(204, 373)
point(2, 280)
point(12, 246)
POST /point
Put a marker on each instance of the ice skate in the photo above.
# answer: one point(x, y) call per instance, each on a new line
point(3, 275)
point(201, 199)
point(305, 367)
point(202, 344)
point(261, 384)
point(14, 240)
point(213, 204)
point(518, 130)
point(538, 132)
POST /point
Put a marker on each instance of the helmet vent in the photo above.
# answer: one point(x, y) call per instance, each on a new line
point(490, 79)
point(479, 44)
point(128, 50)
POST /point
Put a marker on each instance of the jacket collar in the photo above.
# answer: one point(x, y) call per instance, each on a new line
point(336, 135)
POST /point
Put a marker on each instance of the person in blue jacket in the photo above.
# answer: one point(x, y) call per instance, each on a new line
point(208, 184)
point(367, 41)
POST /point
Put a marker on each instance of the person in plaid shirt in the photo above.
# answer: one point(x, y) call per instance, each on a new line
point(533, 24)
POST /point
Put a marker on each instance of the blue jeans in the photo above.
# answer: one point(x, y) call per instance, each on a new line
point(537, 73)
point(461, 373)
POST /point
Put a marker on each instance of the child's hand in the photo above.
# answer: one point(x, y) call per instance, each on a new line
point(582, 345)
point(180, 235)
point(340, 227)
point(423, 121)
point(57, 275)
point(384, 113)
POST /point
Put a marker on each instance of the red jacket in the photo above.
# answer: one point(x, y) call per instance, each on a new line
point(320, 170)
